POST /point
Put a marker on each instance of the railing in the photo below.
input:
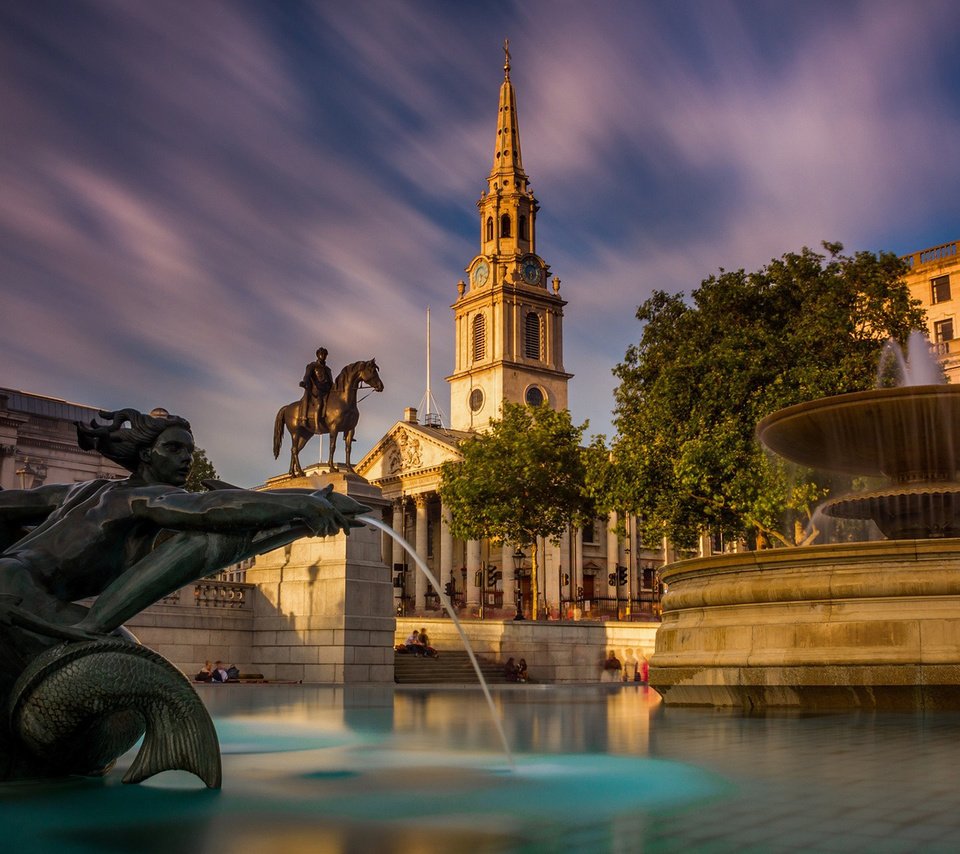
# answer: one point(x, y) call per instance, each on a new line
point(644, 607)
point(221, 594)
point(935, 253)
point(941, 348)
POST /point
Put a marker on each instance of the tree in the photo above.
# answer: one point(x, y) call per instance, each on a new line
point(522, 480)
point(691, 392)
point(201, 470)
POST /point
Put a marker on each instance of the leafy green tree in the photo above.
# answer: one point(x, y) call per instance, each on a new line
point(522, 480)
point(201, 470)
point(704, 373)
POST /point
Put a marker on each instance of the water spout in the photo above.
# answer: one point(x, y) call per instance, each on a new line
point(918, 366)
point(448, 607)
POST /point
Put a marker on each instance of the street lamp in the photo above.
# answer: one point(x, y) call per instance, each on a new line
point(518, 558)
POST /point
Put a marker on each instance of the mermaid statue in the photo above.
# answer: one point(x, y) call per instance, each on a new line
point(76, 689)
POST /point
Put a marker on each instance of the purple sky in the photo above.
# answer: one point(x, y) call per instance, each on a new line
point(194, 196)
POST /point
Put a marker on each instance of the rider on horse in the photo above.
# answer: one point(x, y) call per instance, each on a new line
point(317, 382)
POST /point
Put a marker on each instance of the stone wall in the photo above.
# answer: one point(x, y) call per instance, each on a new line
point(555, 651)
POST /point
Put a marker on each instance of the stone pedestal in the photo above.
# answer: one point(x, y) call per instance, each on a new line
point(855, 625)
point(323, 607)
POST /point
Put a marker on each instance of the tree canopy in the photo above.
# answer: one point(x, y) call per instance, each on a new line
point(703, 374)
point(521, 480)
point(201, 469)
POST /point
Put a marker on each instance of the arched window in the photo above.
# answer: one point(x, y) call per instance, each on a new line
point(479, 337)
point(532, 336)
point(522, 227)
point(505, 225)
point(489, 228)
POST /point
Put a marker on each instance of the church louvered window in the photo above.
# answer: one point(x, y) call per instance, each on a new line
point(532, 336)
point(522, 227)
point(489, 228)
point(479, 337)
point(505, 225)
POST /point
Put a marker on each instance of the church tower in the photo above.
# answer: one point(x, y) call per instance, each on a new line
point(508, 315)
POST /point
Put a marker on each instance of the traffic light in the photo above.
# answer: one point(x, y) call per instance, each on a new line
point(448, 589)
point(612, 579)
point(478, 578)
point(565, 580)
point(493, 576)
point(621, 576)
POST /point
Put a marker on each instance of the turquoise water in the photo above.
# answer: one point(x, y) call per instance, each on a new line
point(599, 768)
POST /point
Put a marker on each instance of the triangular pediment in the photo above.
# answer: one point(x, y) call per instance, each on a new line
point(408, 449)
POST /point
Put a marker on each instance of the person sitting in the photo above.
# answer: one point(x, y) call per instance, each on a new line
point(219, 673)
point(205, 674)
point(522, 671)
point(425, 645)
point(413, 643)
point(233, 673)
point(510, 670)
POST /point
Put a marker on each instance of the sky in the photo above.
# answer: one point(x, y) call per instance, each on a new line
point(195, 196)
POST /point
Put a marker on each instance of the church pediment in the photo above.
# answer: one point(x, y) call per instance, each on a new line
point(406, 450)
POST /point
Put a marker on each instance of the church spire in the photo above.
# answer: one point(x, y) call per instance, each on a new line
point(507, 174)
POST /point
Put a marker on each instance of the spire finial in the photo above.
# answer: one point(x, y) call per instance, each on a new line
point(506, 60)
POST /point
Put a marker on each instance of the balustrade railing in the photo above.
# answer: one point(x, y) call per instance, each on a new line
point(221, 594)
point(934, 253)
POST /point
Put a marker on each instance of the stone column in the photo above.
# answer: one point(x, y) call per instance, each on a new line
point(613, 551)
point(509, 577)
point(446, 547)
point(399, 505)
point(473, 564)
point(420, 581)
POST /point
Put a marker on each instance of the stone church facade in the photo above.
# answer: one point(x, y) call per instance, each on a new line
point(508, 335)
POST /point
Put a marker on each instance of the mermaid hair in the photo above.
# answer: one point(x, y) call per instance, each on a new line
point(122, 444)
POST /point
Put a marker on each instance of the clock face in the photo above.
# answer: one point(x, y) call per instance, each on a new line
point(481, 273)
point(531, 271)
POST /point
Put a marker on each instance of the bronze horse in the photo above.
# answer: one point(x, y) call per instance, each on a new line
point(341, 415)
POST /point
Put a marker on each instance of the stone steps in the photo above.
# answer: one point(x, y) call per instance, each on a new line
point(452, 668)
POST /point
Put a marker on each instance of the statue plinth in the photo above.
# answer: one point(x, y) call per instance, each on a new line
point(323, 611)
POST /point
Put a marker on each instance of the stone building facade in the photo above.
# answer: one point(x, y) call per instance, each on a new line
point(934, 279)
point(508, 344)
point(38, 442)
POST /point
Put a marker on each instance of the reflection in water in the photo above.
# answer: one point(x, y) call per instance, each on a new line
point(599, 768)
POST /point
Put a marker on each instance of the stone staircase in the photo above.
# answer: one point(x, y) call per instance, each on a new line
point(451, 668)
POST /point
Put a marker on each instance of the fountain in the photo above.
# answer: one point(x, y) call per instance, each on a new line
point(864, 625)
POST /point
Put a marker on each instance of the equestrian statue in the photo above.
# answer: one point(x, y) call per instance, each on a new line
point(327, 406)
point(76, 689)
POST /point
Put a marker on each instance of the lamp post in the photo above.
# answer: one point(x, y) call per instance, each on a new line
point(518, 558)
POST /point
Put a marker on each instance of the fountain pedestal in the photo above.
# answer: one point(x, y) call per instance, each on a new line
point(323, 607)
point(871, 625)
point(856, 625)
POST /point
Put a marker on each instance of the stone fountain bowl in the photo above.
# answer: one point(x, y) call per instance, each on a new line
point(909, 433)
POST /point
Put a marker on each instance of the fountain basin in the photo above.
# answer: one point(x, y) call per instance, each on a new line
point(856, 625)
point(906, 433)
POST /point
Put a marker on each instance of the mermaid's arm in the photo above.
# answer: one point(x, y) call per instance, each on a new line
point(241, 510)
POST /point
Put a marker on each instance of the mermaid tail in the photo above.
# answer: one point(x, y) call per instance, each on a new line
point(79, 706)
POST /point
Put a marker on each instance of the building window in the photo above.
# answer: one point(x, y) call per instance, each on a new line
point(476, 400)
point(940, 290)
point(505, 225)
point(943, 330)
point(489, 228)
point(534, 396)
point(589, 532)
point(522, 227)
point(479, 337)
point(532, 337)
